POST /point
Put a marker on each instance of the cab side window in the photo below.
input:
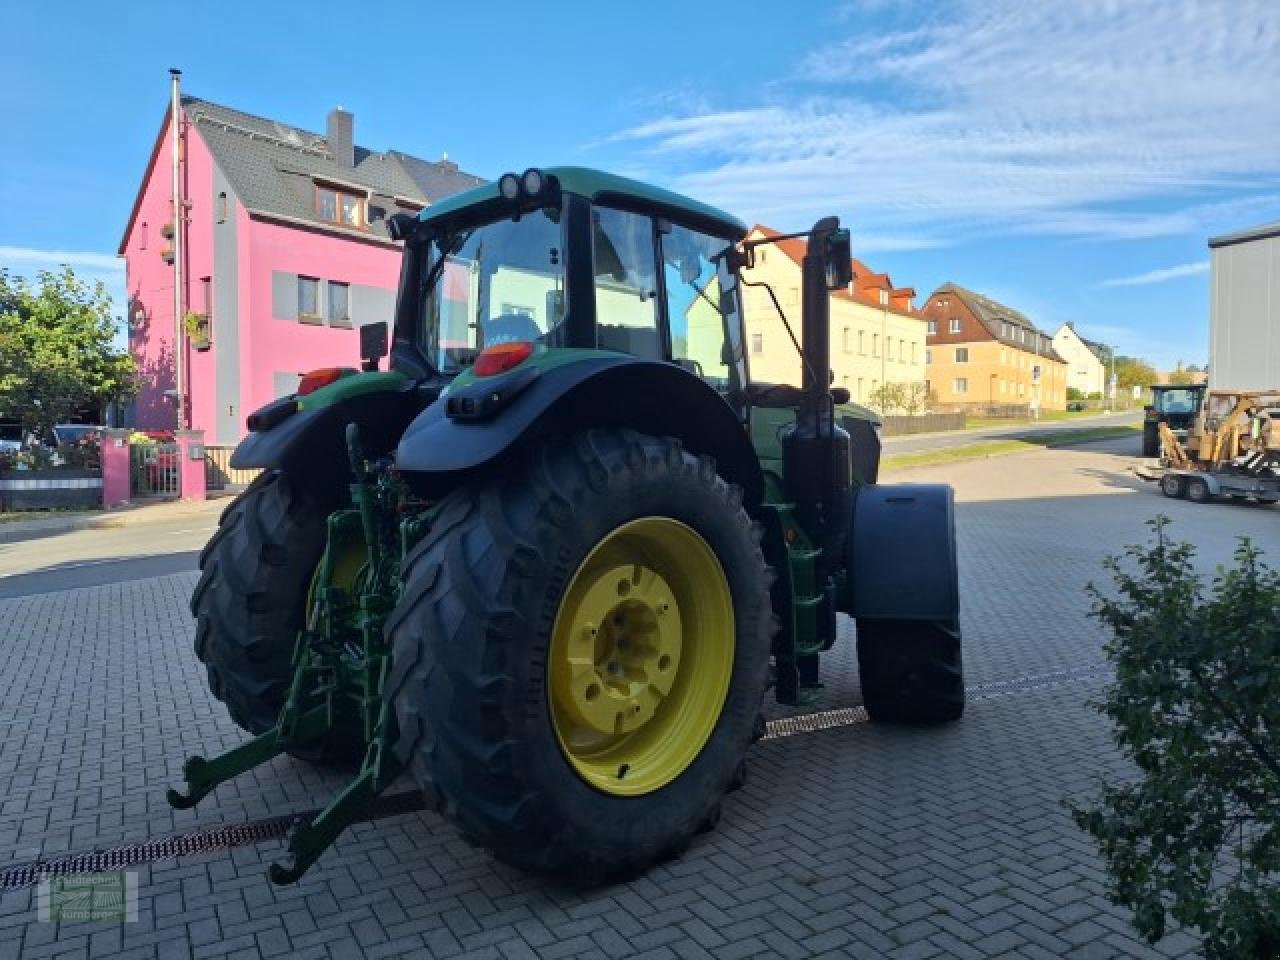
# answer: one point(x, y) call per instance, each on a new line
point(702, 311)
point(626, 281)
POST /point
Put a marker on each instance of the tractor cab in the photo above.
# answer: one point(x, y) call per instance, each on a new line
point(1174, 405)
point(570, 259)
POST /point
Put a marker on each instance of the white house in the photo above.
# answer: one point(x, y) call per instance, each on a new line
point(1086, 364)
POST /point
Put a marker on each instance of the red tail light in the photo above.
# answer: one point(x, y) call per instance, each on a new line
point(501, 357)
point(313, 380)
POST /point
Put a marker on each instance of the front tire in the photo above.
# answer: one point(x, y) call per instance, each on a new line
point(499, 712)
point(911, 670)
point(1150, 440)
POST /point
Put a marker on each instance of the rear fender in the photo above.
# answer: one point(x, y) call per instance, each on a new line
point(312, 442)
point(902, 554)
point(599, 390)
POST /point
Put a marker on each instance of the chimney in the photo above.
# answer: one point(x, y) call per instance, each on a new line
point(342, 145)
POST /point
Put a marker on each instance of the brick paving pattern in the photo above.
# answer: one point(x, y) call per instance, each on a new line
point(859, 840)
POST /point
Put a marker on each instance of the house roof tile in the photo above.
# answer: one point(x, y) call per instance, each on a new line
point(867, 284)
point(273, 169)
point(993, 316)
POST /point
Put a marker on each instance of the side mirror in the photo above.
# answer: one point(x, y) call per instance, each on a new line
point(373, 344)
point(839, 259)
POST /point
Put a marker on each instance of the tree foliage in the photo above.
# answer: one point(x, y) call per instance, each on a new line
point(1133, 372)
point(56, 350)
point(901, 398)
point(1195, 839)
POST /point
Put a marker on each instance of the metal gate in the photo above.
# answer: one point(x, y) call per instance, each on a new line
point(153, 469)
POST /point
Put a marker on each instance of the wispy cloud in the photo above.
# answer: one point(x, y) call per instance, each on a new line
point(1159, 276)
point(27, 257)
point(981, 116)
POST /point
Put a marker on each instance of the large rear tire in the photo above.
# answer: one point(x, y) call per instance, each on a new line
point(1150, 439)
point(911, 670)
point(251, 598)
point(580, 653)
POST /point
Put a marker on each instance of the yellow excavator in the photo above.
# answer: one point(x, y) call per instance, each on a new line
point(1232, 449)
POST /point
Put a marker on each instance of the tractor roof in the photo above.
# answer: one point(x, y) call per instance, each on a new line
point(601, 186)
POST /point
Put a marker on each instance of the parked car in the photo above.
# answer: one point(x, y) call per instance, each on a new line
point(74, 434)
point(10, 437)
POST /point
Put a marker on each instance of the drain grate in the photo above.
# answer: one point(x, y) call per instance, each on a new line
point(208, 840)
point(976, 693)
point(226, 836)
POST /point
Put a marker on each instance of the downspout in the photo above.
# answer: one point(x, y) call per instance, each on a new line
point(175, 111)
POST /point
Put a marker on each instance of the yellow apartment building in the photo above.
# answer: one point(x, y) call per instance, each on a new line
point(982, 353)
point(877, 336)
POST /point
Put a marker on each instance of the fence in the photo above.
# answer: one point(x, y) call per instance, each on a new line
point(153, 470)
point(218, 472)
point(897, 426)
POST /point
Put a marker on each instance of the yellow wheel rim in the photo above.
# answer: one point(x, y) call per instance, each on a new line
point(641, 655)
point(349, 558)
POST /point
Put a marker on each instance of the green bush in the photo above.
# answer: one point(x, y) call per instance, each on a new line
point(1195, 838)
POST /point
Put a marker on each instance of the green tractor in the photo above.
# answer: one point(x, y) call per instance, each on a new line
point(549, 563)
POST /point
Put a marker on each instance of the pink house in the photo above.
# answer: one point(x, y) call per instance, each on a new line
point(285, 253)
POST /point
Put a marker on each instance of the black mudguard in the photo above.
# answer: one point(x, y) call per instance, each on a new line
point(314, 441)
point(902, 553)
point(660, 399)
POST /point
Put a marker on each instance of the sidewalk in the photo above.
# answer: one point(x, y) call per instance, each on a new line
point(141, 512)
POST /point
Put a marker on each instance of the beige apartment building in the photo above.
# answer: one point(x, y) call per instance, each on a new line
point(1086, 360)
point(877, 336)
point(984, 354)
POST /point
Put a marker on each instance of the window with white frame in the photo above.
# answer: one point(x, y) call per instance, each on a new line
point(962, 354)
point(960, 385)
point(928, 355)
point(847, 341)
point(931, 327)
point(955, 325)
point(757, 343)
point(862, 342)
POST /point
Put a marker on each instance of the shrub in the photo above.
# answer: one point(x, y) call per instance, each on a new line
point(1195, 704)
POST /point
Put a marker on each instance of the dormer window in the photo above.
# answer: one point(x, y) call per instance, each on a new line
point(339, 206)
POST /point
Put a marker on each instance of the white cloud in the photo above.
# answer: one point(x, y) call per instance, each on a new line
point(1000, 116)
point(1159, 276)
point(27, 257)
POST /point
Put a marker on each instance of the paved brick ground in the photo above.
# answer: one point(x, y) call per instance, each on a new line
point(860, 840)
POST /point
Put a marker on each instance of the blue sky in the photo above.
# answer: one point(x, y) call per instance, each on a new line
point(1068, 157)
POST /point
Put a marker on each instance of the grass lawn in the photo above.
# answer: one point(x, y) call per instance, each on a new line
point(995, 448)
point(974, 423)
point(10, 516)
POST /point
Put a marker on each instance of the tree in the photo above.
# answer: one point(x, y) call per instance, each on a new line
point(1195, 838)
point(908, 398)
point(1075, 395)
point(56, 350)
point(1183, 377)
point(1132, 372)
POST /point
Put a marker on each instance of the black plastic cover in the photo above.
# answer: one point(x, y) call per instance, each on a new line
point(902, 553)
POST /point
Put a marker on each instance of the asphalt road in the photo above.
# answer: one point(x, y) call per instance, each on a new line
point(959, 438)
point(166, 541)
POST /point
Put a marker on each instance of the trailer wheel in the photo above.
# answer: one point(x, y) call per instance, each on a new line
point(1172, 486)
point(249, 603)
point(1198, 490)
point(911, 670)
point(580, 654)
